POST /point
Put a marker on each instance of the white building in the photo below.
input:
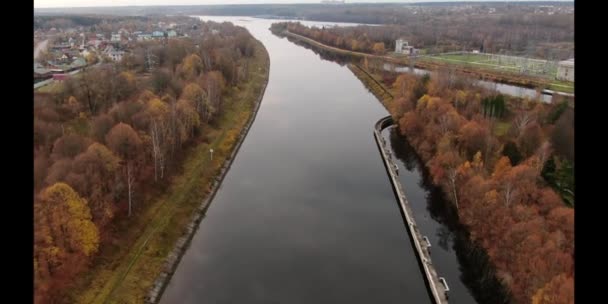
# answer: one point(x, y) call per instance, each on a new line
point(115, 38)
point(402, 47)
point(565, 70)
point(116, 55)
point(144, 37)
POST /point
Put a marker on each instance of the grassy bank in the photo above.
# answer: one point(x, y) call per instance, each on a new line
point(125, 271)
point(384, 95)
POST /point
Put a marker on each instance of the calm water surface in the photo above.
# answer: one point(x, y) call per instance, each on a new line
point(306, 213)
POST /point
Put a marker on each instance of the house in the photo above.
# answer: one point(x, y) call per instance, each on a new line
point(402, 47)
point(115, 38)
point(116, 55)
point(172, 33)
point(61, 46)
point(144, 37)
point(78, 62)
point(64, 58)
point(158, 34)
point(565, 70)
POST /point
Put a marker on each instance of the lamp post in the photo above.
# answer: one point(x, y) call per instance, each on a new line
point(211, 151)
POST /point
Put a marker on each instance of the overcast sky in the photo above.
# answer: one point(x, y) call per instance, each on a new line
point(82, 3)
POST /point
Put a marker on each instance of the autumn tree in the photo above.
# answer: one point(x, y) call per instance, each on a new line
point(158, 114)
point(160, 80)
point(191, 67)
point(125, 142)
point(125, 85)
point(101, 126)
point(562, 136)
point(560, 290)
point(98, 167)
point(214, 87)
point(512, 152)
point(473, 137)
point(444, 166)
point(41, 166)
point(63, 220)
point(68, 146)
point(379, 48)
point(195, 94)
point(530, 139)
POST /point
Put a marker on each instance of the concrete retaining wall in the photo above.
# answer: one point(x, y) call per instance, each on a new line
point(437, 289)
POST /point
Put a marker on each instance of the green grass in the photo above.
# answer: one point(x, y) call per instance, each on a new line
point(501, 128)
point(126, 272)
point(51, 88)
point(481, 60)
point(562, 86)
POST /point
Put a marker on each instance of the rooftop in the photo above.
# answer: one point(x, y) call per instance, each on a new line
point(569, 62)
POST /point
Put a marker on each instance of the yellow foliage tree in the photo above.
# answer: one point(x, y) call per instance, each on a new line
point(501, 168)
point(69, 218)
point(191, 66)
point(560, 290)
point(379, 48)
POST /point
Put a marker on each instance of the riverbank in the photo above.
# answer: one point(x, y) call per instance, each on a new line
point(477, 211)
point(373, 85)
point(437, 290)
point(127, 271)
point(431, 65)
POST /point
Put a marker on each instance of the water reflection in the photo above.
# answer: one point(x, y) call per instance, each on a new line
point(465, 266)
point(305, 214)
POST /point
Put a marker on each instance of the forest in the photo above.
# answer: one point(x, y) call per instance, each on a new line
point(492, 156)
point(110, 139)
point(544, 37)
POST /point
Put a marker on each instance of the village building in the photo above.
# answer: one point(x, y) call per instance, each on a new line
point(402, 47)
point(565, 70)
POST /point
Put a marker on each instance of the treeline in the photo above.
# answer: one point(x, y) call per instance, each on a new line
point(67, 21)
point(113, 135)
point(494, 178)
point(357, 40)
point(547, 37)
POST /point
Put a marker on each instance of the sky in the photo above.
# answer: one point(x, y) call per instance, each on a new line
point(85, 3)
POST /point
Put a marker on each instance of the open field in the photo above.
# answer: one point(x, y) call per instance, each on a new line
point(513, 64)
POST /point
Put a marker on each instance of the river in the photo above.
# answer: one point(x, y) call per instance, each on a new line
point(306, 213)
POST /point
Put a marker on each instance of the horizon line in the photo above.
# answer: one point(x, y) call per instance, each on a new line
point(236, 4)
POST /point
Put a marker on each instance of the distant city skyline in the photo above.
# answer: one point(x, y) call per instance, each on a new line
point(108, 3)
